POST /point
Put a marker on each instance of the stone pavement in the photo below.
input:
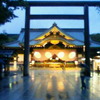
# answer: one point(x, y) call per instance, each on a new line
point(49, 85)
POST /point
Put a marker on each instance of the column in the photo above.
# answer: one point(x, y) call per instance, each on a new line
point(86, 36)
point(26, 43)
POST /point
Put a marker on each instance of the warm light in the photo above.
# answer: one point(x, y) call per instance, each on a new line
point(98, 56)
point(33, 61)
point(37, 55)
point(50, 58)
point(98, 52)
point(54, 41)
point(97, 60)
point(48, 54)
point(14, 58)
point(44, 44)
point(91, 59)
point(84, 48)
point(15, 64)
point(72, 55)
point(60, 86)
point(76, 62)
point(61, 54)
point(20, 57)
point(49, 86)
point(57, 58)
point(83, 59)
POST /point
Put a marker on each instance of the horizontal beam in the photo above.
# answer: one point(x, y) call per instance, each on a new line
point(58, 3)
point(78, 17)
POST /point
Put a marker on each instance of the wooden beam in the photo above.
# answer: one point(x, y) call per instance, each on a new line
point(58, 3)
point(86, 36)
point(26, 43)
point(39, 17)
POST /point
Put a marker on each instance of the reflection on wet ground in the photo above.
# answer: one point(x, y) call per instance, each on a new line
point(50, 85)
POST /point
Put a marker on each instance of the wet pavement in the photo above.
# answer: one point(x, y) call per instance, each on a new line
point(49, 85)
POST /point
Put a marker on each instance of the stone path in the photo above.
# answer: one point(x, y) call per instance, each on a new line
point(49, 85)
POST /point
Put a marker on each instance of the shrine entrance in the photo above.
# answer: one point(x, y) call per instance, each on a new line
point(84, 17)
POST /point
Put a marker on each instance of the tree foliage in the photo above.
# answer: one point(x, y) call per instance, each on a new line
point(3, 39)
point(95, 37)
point(12, 37)
point(6, 38)
point(6, 11)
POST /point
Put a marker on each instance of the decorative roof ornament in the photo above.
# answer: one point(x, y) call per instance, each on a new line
point(54, 24)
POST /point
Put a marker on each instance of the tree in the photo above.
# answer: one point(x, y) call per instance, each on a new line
point(95, 37)
point(3, 39)
point(12, 37)
point(6, 11)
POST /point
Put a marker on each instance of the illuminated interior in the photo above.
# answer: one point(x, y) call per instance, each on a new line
point(44, 54)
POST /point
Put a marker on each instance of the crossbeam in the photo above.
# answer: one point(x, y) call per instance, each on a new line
point(58, 3)
point(78, 17)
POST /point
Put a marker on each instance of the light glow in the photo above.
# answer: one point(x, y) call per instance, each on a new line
point(61, 54)
point(72, 54)
point(50, 58)
point(55, 41)
point(60, 86)
point(37, 54)
point(57, 58)
point(97, 60)
point(48, 54)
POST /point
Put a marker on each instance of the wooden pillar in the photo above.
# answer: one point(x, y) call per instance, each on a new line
point(86, 36)
point(26, 43)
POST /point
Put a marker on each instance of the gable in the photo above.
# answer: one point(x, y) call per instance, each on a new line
point(54, 31)
point(54, 40)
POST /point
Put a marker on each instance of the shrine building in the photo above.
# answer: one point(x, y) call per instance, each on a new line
point(53, 47)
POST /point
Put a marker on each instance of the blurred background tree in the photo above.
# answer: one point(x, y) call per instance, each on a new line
point(95, 37)
point(7, 12)
point(3, 39)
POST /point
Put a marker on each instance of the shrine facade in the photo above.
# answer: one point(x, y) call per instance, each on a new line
point(54, 45)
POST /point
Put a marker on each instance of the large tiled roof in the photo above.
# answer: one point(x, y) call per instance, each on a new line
point(13, 44)
point(76, 34)
point(94, 44)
